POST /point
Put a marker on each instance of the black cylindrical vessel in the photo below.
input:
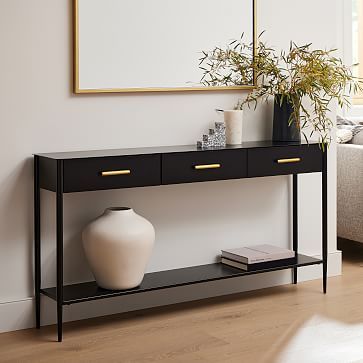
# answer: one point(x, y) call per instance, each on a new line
point(282, 131)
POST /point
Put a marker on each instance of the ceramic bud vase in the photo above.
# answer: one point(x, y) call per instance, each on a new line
point(233, 120)
point(118, 245)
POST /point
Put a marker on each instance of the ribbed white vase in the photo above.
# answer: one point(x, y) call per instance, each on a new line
point(233, 120)
point(118, 246)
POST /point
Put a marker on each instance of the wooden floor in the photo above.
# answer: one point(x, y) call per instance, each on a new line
point(250, 327)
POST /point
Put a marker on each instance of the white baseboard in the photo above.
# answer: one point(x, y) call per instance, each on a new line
point(16, 315)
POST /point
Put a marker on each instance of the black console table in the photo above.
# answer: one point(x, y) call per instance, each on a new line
point(69, 172)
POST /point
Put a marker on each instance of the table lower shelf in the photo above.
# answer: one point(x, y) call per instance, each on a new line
point(88, 291)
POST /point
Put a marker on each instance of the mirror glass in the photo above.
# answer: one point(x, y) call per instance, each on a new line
point(152, 45)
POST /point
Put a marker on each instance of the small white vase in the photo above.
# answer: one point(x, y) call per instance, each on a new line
point(118, 246)
point(233, 120)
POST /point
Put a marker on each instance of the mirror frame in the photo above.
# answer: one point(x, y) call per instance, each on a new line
point(78, 90)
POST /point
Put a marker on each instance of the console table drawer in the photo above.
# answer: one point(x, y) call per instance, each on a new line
point(111, 172)
point(284, 160)
point(203, 166)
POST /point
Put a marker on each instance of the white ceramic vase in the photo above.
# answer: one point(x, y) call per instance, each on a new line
point(233, 120)
point(118, 245)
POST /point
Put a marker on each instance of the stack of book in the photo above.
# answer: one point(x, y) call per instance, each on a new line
point(259, 257)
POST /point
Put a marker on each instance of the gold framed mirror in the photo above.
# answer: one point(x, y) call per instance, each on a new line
point(154, 45)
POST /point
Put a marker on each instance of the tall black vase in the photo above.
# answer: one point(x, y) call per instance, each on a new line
point(282, 131)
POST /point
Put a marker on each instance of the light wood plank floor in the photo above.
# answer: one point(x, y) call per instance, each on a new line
point(251, 327)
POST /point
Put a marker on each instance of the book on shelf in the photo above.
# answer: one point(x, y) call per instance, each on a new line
point(259, 266)
point(257, 254)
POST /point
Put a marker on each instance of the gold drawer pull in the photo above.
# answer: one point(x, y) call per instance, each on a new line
point(287, 161)
point(116, 172)
point(207, 166)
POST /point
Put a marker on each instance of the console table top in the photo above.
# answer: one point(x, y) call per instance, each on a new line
point(161, 150)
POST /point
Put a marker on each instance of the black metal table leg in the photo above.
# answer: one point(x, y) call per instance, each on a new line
point(37, 265)
point(295, 230)
point(59, 207)
point(325, 217)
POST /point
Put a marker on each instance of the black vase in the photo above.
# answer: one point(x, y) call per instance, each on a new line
point(282, 131)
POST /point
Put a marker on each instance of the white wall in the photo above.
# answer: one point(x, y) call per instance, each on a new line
point(38, 113)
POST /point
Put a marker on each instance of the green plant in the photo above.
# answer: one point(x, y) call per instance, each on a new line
point(309, 79)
